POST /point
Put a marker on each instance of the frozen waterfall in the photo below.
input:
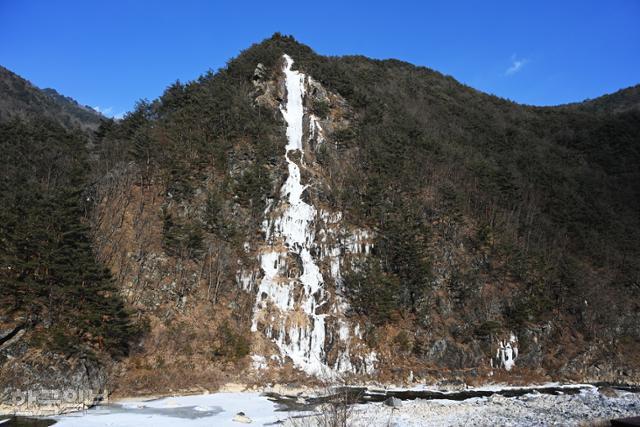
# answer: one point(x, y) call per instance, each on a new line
point(298, 331)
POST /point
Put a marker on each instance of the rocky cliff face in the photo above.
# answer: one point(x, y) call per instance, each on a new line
point(299, 298)
point(45, 382)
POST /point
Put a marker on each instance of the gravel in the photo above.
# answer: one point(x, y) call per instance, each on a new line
point(587, 408)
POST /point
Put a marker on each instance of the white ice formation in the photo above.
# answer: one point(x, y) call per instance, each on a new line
point(507, 353)
point(293, 306)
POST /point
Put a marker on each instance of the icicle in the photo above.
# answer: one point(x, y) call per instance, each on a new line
point(292, 295)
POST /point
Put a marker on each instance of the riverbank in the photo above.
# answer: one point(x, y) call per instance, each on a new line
point(590, 407)
point(548, 404)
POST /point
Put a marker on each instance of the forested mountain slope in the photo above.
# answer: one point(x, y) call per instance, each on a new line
point(619, 101)
point(20, 99)
point(447, 225)
point(62, 318)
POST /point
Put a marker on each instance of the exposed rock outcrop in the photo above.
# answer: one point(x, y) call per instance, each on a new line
point(49, 383)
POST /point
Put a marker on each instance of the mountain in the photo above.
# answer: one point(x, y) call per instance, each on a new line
point(620, 101)
point(21, 99)
point(62, 318)
point(300, 218)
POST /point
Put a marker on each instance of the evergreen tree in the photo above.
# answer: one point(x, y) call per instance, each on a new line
point(48, 270)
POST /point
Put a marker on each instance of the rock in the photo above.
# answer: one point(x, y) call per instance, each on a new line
point(240, 417)
point(608, 392)
point(49, 384)
point(10, 336)
point(260, 72)
point(393, 402)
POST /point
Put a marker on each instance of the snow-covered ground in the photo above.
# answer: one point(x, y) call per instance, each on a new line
point(209, 410)
point(219, 409)
point(534, 409)
point(495, 387)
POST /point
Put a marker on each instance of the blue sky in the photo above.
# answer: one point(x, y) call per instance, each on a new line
point(109, 54)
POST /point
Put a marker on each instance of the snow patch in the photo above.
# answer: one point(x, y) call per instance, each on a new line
point(507, 353)
point(199, 410)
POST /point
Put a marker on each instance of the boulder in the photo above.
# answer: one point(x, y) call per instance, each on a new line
point(608, 392)
point(38, 384)
point(393, 402)
point(240, 417)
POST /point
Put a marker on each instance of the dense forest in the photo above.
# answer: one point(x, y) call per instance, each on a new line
point(50, 277)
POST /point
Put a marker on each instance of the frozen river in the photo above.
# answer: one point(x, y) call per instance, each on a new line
point(496, 405)
point(217, 409)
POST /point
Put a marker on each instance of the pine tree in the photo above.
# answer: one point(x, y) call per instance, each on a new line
point(48, 271)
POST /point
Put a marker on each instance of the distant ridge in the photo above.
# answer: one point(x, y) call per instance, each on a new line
point(617, 102)
point(19, 98)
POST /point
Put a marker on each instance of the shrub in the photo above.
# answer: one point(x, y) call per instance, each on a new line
point(231, 344)
point(320, 108)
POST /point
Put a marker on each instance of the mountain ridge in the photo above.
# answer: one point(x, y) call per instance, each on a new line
point(623, 99)
point(21, 98)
